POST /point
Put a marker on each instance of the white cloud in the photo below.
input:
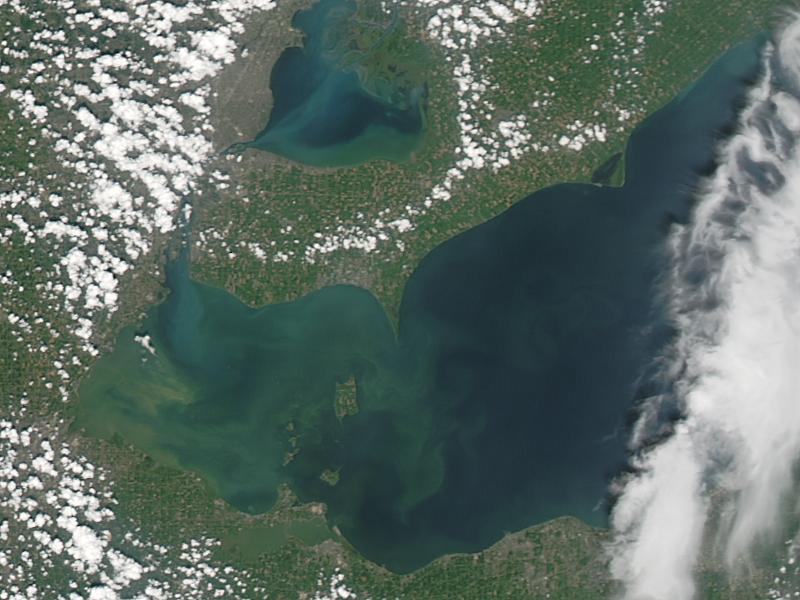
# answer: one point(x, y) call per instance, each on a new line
point(86, 548)
point(659, 523)
point(735, 364)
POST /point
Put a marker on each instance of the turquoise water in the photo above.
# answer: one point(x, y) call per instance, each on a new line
point(323, 115)
point(501, 402)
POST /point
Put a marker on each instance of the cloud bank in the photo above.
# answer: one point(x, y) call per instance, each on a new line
point(724, 474)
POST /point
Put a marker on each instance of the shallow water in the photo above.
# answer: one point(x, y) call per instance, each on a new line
point(499, 404)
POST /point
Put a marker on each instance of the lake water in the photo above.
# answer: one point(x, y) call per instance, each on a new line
point(323, 115)
point(500, 403)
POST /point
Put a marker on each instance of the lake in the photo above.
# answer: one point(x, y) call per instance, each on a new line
point(501, 401)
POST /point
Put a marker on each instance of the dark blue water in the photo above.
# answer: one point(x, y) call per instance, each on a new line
point(501, 402)
point(322, 113)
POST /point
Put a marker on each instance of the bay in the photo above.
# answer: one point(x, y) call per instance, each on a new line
point(323, 114)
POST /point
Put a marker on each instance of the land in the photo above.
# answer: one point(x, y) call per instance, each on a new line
point(346, 398)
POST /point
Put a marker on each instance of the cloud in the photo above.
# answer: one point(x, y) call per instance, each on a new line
point(661, 508)
point(734, 366)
